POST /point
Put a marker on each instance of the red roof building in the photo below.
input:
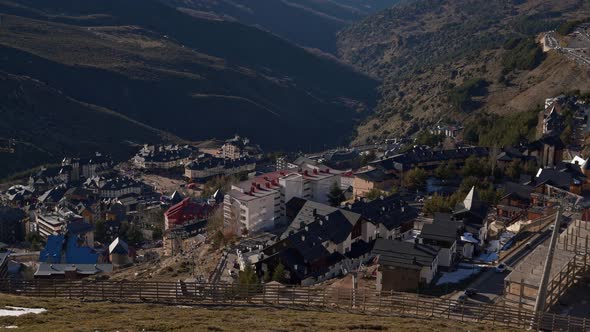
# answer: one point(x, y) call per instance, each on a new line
point(185, 212)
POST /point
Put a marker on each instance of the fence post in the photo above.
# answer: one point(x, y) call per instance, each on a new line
point(157, 292)
point(379, 305)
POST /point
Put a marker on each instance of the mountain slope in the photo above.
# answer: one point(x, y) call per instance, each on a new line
point(310, 23)
point(193, 77)
point(426, 51)
point(49, 125)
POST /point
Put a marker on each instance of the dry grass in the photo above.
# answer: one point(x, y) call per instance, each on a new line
point(71, 315)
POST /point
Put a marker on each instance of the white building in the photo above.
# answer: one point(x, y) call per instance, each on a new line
point(260, 203)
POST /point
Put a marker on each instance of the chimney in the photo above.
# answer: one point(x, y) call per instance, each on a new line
point(327, 218)
point(403, 208)
point(302, 237)
point(315, 171)
point(328, 170)
point(321, 222)
point(307, 228)
point(305, 172)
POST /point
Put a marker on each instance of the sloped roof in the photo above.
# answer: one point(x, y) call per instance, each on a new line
point(118, 246)
point(404, 254)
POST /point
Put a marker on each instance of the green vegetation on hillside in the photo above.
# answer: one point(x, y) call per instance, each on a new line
point(522, 54)
point(494, 130)
point(461, 97)
point(568, 27)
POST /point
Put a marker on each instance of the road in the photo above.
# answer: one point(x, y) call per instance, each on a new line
point(578, 54)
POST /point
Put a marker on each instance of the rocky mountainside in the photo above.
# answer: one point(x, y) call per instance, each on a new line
point(192, 77)
point(450, 59)
point(310, 23)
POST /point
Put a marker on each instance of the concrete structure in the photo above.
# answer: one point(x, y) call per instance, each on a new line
point(260, 203)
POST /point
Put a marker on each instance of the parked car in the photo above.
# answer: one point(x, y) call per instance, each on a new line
point(501, 268)
point(469, 292)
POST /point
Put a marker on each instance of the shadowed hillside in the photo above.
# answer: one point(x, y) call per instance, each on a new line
point(192, 77)
point(309, 23)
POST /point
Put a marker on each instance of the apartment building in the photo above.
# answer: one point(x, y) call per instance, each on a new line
point(260, 203)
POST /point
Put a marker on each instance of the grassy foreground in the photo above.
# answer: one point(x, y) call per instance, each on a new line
point(72, 315)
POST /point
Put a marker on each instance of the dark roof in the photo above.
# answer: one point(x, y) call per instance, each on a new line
point(10, 214)
point(376, 175)
point(551, 140)
point(79, 227)
point(389, 211)
point(404, 254)
point(441, 231)
point(561, 179)
point(517, 190)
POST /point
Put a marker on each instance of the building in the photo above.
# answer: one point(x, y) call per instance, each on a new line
point(156, 157)
point(317, 245)
point(374, 179)
point(404, 266)
point(515, 202)
point(239, 147)
point(446, 130)
point(119, 253)
point(204, 168)
point(112, 187)
point(474, 214)
point(185, 212)
point(49, 177)
point(548, 150)
point(260, 203)
point(84, 168)
point(54, 222)
point(428, 159)
point(444, 235)
point(391, 217)
point(12, 224)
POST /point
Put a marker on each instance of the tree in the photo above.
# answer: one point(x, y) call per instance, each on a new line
point(416, 178)
point(373, 194)
point(336, 195)
point(367, 158)
point(514, 169)
point(267, 277)
point(157, 234)
point(475, 167)
point(100, 231)
point(445, 171)
point(279, 273)
point(248, 277)
point(34, 239)
point(133, 235)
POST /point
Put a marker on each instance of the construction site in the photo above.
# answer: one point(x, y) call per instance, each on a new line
point(568, 267)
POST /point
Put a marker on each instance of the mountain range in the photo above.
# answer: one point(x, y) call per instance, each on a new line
point(182, 75)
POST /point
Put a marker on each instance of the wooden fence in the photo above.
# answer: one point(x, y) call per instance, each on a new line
point(361, 301)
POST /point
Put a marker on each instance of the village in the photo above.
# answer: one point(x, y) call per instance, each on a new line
point(426, 214)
